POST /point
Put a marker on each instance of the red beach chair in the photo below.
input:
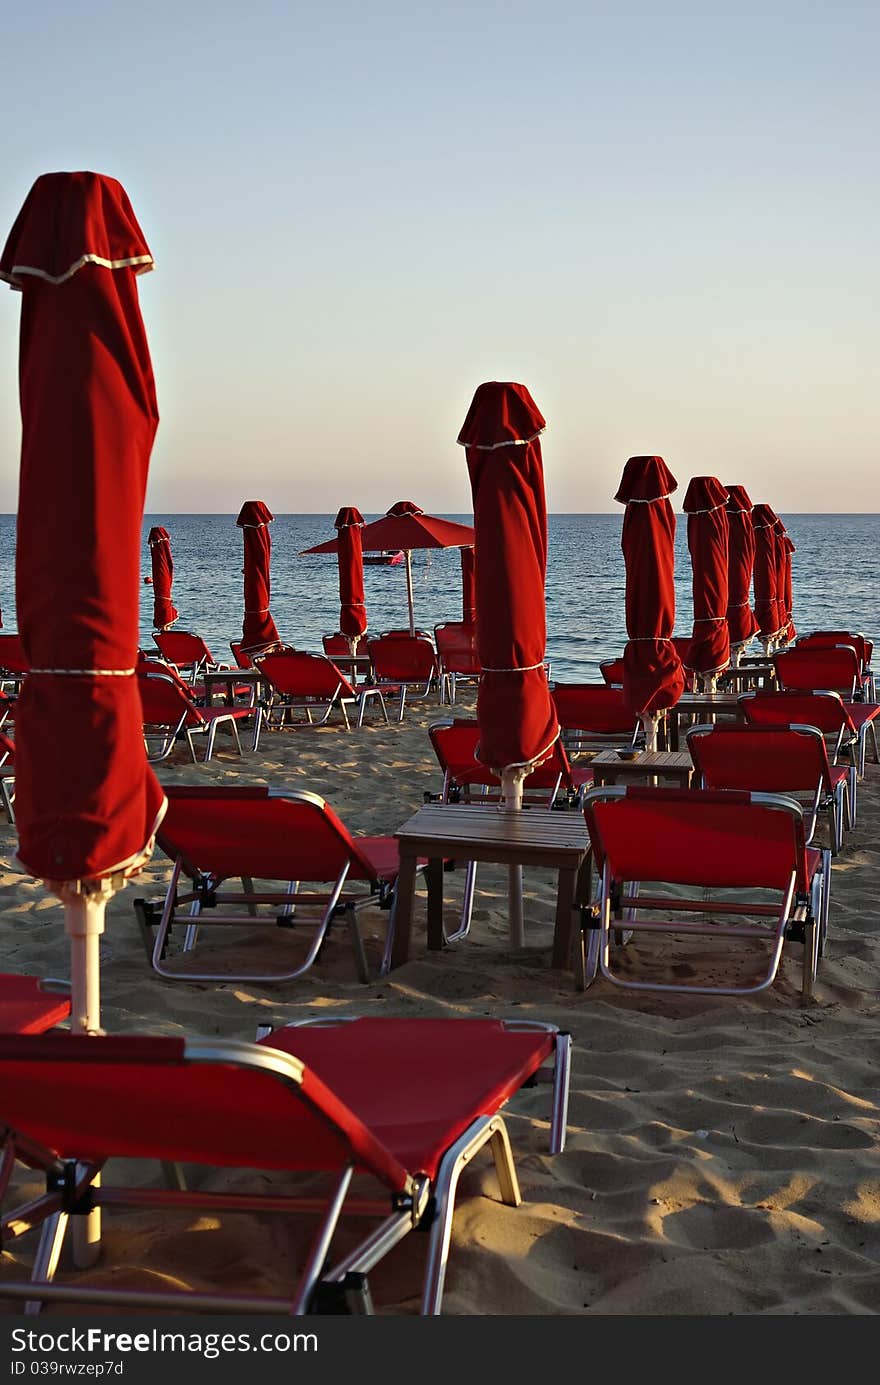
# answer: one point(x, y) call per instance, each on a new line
point(374, 1119)
point(171, 715)
point(456, 642)
point(403, 662)
point(555, 783)
point(7, 776)
point(791, 759)
point(13, 662)
point(722, 848)
point(846, 724)
point(31, 1005)
point(301, 682)
point(593, 716)
point(612, 672)
point(188, 653)
point(826, 639)
point(805, 668)
point(214, 834)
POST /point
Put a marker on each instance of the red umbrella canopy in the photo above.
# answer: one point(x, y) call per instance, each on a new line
point(87, 802)
point(468, 586)
point(406, 526)
point(500, 434)
point(352, 608)
point(707, 533)
point(766, 572)
point(741, 622)
point(258, 627)
point(652, 672)
point(164, 612)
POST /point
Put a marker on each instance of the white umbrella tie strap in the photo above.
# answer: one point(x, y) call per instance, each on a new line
point(637, 500)
point(527, 668)
point(702, 620)
point(86, 672)
point(510, 442)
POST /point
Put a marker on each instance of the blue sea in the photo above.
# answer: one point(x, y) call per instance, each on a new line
point(834, 580)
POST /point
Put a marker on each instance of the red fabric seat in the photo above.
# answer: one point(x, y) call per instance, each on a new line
point(26, 1008)
point(370, 1095)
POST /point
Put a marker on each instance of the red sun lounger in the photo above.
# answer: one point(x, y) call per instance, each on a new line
point(297, 681)
point(171, 715)
point(375, 1119)
point(312, 870)
point(698, 858)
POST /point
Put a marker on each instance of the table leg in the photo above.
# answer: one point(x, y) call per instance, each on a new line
point(434, 881)
point(400, 921)
point(672, 723)
point(565, 901)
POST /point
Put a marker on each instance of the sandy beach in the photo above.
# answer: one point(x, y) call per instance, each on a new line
point(721, 1155)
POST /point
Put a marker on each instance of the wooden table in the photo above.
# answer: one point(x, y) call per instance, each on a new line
point(608, 768)
point(485, 832)
point(716, 704)
point(746, 676)
point(226, 680)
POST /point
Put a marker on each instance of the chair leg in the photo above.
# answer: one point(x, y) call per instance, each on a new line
point(48, 1254)
point(192, 749)
point(445, 1187)
point(258, 726)
point(402, 702)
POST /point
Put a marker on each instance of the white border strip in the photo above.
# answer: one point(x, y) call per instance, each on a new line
point(510, 442)
point(145, 262)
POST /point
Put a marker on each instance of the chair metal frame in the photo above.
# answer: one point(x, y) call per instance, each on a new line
point(202, 659)
point(455, 641)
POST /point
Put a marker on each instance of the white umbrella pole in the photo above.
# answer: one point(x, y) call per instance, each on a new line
point(84, 922)
point(512, 796)
point(409, 592)
point(650, 721)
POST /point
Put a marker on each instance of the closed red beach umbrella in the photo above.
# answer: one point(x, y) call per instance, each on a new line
point(653, 678)
point(87, 803)
point(164, 612)
point(258, 627)
point(518, 725)
point(707, 534)
point(784, 592)
point(468, 586)
point(352, 608)
point(766, 575)
point(741, 622)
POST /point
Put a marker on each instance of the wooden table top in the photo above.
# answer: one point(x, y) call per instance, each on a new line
point(646, 762)
point(487, 825)
point(692, 700)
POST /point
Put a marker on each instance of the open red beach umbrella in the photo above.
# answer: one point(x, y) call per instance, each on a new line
point(707, 534)
point(164, 612)
point(352, 610)
point(87, 803)
point(257, 627)
point(766, 575)
point(741, 622)
point(518, 725)
point(406, 527)
point(468, 586)
point(652, 674)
